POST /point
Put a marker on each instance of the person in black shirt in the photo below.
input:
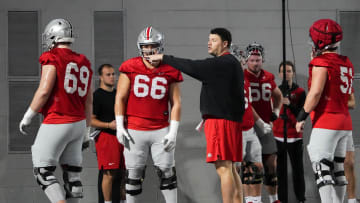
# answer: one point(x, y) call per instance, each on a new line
point(109, 151)
point(221, 104)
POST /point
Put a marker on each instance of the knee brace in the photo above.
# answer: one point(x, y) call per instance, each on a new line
point(167, 176)
point(44, 176)
point(72, 183)
point(134, 179)
point(323, 173)
point(339, 173)
point(246, 173)
point(257, 175)
point(270, 179)
point(48, 183)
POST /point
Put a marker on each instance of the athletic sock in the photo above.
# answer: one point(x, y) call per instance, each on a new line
point(273, 198)
point(352, 201)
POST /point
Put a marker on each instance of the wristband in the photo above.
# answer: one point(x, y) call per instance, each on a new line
point(302, 115)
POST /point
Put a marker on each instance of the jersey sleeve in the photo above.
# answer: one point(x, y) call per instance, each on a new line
point(47, 58)
point(176, 75)
point(320, 62)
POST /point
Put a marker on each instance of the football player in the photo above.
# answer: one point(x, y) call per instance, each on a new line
point(144, 92)
point(330, 85)
point(252, 167)
point(266, 102)
point(64, 98)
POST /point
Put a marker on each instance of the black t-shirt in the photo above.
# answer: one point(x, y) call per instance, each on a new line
point(103, 107)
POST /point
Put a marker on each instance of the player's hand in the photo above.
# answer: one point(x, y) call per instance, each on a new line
point(154, 58)
point(169, 140)
point(25, 122)
point(112, 125)
point(121, 132)
point(86, 139)
point(275, 115)
point(286, 101)
point(265, 127)
point(300, 126)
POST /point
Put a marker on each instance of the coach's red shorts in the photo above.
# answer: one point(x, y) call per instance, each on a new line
point(109, 152)
point(223, 140)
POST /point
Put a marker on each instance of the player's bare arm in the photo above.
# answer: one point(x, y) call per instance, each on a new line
point(89, 106)
point(122, 94)
point(319, 77)
point(175, 101)
point(351, 101)
point(47, 81)
point(277, 99)
point(169, 140)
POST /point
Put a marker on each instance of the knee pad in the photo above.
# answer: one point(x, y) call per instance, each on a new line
point(270, 179)
point(323, 172)
point(72, 183)
point(134, 179)
point(167, 176)
point(45, 176)
point(339, 173)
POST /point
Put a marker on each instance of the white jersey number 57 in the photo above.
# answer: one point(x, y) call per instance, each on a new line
point(84, 79)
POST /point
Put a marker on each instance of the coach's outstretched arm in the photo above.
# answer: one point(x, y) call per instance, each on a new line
point(199, 69)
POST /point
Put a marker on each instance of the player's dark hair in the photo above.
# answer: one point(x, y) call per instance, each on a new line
point(224, 34)
point(288, 63)
point(102, 66)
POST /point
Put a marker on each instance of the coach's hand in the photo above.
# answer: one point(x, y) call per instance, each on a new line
point(25, 122)
point(169, 140)
point(154, 58)
point(266, 128)
point(121, 132)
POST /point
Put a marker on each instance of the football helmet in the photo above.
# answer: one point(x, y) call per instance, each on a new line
point(56, 31)
point(150, 36)
point(255, 49)
point(325, 33)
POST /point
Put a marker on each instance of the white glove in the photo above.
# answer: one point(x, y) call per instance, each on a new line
point(86, 139)
point(266, 128)
point(277, 112)
point(121, 132)
point(169, 140)
point(25, 122)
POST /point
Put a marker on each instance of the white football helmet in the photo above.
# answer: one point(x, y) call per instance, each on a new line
point(150, 36)
point(255, 49)
point(56, 31)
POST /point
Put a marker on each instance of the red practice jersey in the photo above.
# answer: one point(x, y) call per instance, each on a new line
point(261, 91)
point(148, 102)
point(332, 110)
point(278, 124)
point(66, 103)
point(248, 118)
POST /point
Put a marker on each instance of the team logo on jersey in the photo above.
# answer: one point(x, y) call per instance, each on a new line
point(209, 155)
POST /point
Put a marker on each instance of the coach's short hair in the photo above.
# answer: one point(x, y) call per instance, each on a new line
point(102, 66)
point(224, 34)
